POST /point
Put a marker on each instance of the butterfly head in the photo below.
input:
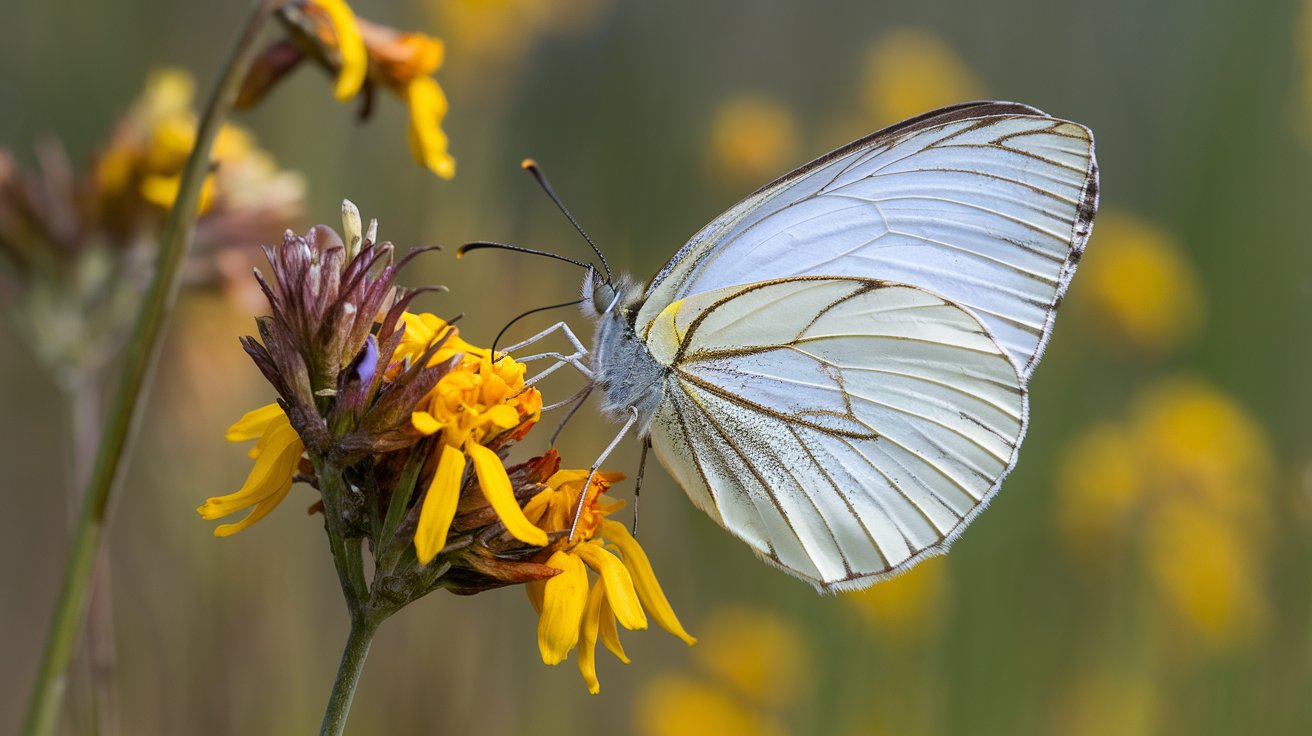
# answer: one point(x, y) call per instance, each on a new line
point(601, 295)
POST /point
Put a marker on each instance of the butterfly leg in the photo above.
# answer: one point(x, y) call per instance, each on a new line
point(637, 484)
point(578, 510)
point(576, 359)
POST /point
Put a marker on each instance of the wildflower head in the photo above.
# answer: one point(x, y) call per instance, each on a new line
point(909, 71)
point(363, 57)
point(574, 609)
point(80, 244)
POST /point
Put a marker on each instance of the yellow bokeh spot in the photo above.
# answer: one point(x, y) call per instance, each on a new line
point(752, 139)
point(1138, 288)
point(674, 706)
point(762, 656)
point(910, 71)
point(1183, 481)
point(908, 607)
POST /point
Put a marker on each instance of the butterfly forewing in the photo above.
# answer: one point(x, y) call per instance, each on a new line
point(991, 210)
point(842, 427)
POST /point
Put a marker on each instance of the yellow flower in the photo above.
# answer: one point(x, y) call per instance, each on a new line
point(1138, 288)
point(675, 706)
point(1186, 477)
point(502, 31)
point(907, 607)
point(762, 656)
point(574, 612)
point(144, 161)
point(277, 456)
point(363, 53)
point(478, 403)
point(752, 139)
point(349, 45)
point(909, 71)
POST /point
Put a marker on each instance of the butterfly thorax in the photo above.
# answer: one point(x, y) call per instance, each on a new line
point(623, 368)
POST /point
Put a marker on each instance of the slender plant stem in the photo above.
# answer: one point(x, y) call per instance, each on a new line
point(354, 654)
point(94, 692)
point(128, 399)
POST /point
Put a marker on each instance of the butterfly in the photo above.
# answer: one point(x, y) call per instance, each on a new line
point(835, 370)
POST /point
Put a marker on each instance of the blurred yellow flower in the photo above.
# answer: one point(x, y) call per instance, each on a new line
point(752, 139)
point(476, 402)
point(363, 55)
point(1100, 702)
point(753, 667)
point(143, 163)
point(674, 706)
point(1138, 288)
point(1185, 481)
point(908, 607)
point(762, 656)
point(910, 71)
point(503, 31)
point(573, 612)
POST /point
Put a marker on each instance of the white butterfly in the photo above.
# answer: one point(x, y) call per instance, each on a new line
point(835, 369)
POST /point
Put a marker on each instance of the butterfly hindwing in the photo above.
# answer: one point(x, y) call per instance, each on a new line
point(842, 427)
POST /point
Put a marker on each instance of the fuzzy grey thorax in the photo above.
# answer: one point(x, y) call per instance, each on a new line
point(623, 369)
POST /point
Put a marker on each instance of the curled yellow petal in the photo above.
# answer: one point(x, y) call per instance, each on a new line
point(428, 106)
point(496, 487)
point(644, 579)
point(588, 639)
point(252, 424)
point(564, 598)
point(619, 586)
point(610, 633)
point(265, 486)
point(439, 505)
point(350, 44)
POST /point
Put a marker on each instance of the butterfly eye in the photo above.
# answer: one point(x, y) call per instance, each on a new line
point(603, 294)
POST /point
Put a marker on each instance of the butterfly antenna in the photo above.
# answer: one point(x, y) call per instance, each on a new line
point(484, 245)
point(532, 167)
point(535, 310)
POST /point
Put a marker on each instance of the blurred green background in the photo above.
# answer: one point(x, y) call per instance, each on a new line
point(1144, 571)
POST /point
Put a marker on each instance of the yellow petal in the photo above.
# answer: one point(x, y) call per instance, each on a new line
point(534, 590)
point(259, 512)
point(610, 633)
point(619, 586)
point(501, 416)
point(428, 106)
point(425, 422)
point(588, 639)
point(564, 598)
point(355, 60)
point(496, 487)
point(644, 579)
point(253, 423)
point(273, 469)
point(439, 505)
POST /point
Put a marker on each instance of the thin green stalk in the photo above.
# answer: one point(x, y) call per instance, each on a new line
point(354, 654)
point(128, 399)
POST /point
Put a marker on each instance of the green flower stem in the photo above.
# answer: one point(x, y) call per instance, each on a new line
point(126, 408)
point(354, 654)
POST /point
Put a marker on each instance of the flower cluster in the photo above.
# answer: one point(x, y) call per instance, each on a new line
point(78, 248)
point(363, 56)
point(403, 427)
point(573, 611)
point(1182, 482)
